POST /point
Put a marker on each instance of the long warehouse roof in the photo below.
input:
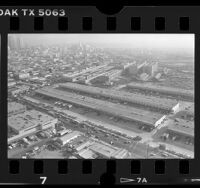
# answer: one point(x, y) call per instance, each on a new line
point(127, 112)
point(165, 104)
point(190, 110)
point(163, 89)
point(182, 126)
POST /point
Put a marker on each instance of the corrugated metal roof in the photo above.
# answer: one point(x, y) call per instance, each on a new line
point(69, 136)
point(182, 126)
point(127, 112)
point(158, 88)
point(165, 104)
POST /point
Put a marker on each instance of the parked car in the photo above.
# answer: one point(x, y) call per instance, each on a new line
point(137, 138)
point(127, 142)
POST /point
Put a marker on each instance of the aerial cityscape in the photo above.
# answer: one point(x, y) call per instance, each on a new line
point(96, 96)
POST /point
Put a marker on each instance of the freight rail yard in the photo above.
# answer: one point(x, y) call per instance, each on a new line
point(86, 103)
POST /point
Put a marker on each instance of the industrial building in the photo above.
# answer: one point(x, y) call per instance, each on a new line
point(150, 68)
point(140, 117)
point(63, 132)
point(181, 127)
point(104, 77)
point(187, 94)
point(147, 68)
point(15, 42)
point(32, 100)
point(93, 150)
point(72, 77)
point(87, 154)
point(24, 75)
point(165, 105)
point(189, 111)
point(11, 84)
point(104, 150)
point(15, 108)
point(30, 122)
point(130, 69)
point(68, 137)
point(84, 145)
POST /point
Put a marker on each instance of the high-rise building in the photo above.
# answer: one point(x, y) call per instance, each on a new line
point(15, 42)
point(130, 69)
point(150, 68)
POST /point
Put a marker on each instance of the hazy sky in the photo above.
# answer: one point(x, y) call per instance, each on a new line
point(169, 41)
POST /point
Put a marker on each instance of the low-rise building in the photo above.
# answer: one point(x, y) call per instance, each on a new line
point(84, 145)
point(87, 154)
point(63, 132)
point(68, 137)
point(181, 127)
point(24, 75)
point(177, 92)
point(30, 121)
point(104, 150)
point(11, 84)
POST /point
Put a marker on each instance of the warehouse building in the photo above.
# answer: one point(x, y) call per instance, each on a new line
point(15, 108)
point(128, 113)
point(11, 84)
point(71, 77)
point(104, 150)
point(87, 154)
point(101, 76)
point(179, 131)
point(181, 127)
point(189, 112)
point(68, 137)
point(84, 145)
point(165, 105)
point(130, 69)
point(30, 122)
point(187, 94)
point(32, 100)
point(104, 77)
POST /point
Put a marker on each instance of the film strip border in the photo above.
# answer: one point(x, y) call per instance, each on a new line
point(128, 20)
point(89, 20)
point(111, 24)
point(101, 171)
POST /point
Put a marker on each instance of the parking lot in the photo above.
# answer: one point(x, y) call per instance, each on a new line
point(19, 148)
